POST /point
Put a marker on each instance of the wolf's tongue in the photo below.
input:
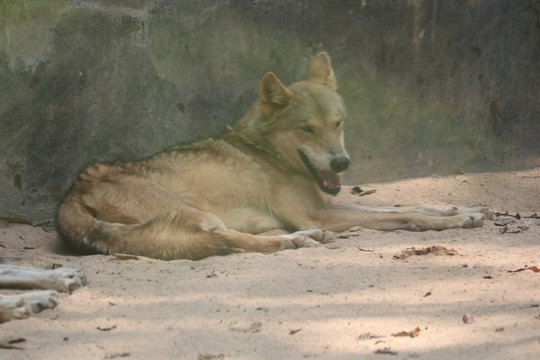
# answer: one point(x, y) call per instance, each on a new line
point(330, 180)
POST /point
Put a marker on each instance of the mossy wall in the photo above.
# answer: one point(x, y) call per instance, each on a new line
point(431, 86)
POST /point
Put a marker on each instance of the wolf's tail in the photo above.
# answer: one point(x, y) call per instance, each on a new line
point(164, 237)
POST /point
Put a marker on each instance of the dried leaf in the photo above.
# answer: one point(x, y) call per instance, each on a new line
point(427, 294)
point(360, 192)
point(116, 355)
point(386, 350)
point(294, 331)
point(253, 328)
point(532, 268)
point(368, 192)
point(368, 336)
point(529, 306)
point(106, 328)
point(412, 333)
point(211, 356)
point(435, 250)
point(53, 266)
point(488, 277)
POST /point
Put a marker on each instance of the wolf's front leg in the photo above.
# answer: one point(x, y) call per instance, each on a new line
point(421, 222)
point(398, 219)
point(486, 211)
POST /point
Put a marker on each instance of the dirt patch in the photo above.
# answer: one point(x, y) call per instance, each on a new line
point(343, 300)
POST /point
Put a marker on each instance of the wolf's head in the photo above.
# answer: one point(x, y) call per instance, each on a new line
point(302, 124)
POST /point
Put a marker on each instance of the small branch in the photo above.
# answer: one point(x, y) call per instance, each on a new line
point(518, 216)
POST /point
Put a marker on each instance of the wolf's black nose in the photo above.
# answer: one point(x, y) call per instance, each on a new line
point(340, 163)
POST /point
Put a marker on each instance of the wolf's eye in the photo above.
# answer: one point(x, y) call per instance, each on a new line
point(307, 129)
point(338, 124)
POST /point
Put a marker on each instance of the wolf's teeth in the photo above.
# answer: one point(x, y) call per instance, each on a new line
point(325, 183)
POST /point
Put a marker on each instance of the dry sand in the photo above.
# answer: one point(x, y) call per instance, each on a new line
point(342, 300)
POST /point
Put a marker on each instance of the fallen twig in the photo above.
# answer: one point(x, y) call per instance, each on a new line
point(365, 250)
point(518, 216)
point(8, 341)
point(125, 256)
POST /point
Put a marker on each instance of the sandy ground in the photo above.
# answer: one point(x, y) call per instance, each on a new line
point(343, 300)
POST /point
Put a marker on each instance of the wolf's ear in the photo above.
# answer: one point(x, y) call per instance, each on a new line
point(273, 94)
point(320, 71)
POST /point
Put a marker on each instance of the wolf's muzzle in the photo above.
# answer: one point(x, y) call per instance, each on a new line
point(340, 163)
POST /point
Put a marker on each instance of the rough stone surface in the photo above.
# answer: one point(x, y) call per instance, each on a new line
point(431, 86)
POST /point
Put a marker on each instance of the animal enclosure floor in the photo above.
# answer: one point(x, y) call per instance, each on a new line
point(459, 294)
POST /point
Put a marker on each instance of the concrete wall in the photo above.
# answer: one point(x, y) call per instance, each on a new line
point(431, 86)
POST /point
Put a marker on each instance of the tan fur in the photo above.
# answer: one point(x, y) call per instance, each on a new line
point(262, 186)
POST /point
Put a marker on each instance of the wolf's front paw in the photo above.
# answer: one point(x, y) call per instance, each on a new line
point(322, 236)
point(41, 300)
point(311, 238)
point(486, 211)
point(472, 220)
point(23, 305)
point(68, 279)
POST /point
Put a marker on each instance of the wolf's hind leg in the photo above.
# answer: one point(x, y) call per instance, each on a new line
point(179, 237)
point(240, 242)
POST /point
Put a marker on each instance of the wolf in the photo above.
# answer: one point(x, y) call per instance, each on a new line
point(263, 186)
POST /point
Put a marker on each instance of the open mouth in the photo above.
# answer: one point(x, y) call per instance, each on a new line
point(328, 181)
